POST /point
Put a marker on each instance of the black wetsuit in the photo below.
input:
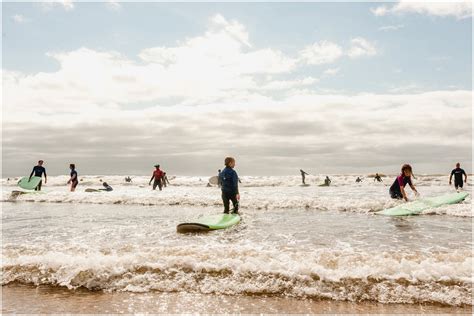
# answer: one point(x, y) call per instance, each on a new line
point(38, 172)
point(107, 188)
point(458, 173)
point(230, 189)
point(74, 182)
point(400, 181)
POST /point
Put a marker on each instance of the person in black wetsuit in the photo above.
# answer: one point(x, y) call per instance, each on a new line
point(397, 190)
point(38, 172)
point(73, 180)
point(458, 173)
point(358, 180)
point(378, 178)
point(303, 175)
point(327, 181)
point(107, 187)
point(230, 186)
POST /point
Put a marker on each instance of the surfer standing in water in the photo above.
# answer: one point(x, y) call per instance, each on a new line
point(458, 172)
point(38, 172)
point(230, 186)
point(303, 173)
point(397, 190)
point(73, 180)
point(157, 175)
point(378, 178)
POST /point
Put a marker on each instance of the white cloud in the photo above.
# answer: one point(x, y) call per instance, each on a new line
point(458, 9)
point(331, 71)
point(18, 18)
point(323, 52)
point(113, 5)
point(361, 47)
point(67, 5)
point(258, 130)
point(289, 84)
point(391, 27)
point(217, 65)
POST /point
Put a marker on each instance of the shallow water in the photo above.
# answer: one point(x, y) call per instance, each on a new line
point(306, 243)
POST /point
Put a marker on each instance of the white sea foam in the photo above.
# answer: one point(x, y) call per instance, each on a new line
point(342, 274)
point(258, 193)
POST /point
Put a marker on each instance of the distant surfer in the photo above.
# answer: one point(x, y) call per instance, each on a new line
point(219, 184)
point(230, 186)
point(458, 173)
point(358, 180)
point(157, 175)
point(73, 180)
point(38, 171)
point(165, 179)
point(128, 179)
point(397, 190)
point(303, 173)
point(327, 181)
point(378, 178)
point(107, 187)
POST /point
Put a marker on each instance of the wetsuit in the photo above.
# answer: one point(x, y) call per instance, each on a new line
point(458, 173)
point(74, 182)
point(157, 174)
point(400, 181)
point(38, 172)
point(230, 188)
point(107, 188)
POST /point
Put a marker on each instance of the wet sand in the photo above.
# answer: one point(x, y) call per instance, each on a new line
point(24, 299)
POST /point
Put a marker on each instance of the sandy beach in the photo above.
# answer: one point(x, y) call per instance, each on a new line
point(21, 299)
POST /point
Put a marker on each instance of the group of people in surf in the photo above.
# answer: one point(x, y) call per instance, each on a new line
point(397, 189)
point(159, 177)
point(228, 181)
point(327, 181)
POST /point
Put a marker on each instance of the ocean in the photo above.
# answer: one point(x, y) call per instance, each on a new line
point(304, 249)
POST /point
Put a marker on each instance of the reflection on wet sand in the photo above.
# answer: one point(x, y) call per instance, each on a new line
point(44, 299)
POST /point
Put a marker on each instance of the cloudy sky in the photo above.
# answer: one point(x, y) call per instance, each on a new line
point(328, 87)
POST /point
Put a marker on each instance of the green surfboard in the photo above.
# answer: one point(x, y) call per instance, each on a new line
point(208, 223)
point(416, 207)
point(31, 185)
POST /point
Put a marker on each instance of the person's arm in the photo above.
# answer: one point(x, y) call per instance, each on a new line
point(451, 177)
point(413, 187)
point(402, 189)
point(152, 176)
point(45, 176)
point(465, 176)
point(235, 181)
point(33, 171)
point(72, 178)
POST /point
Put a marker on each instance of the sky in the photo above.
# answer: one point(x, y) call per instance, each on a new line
point(116, 87)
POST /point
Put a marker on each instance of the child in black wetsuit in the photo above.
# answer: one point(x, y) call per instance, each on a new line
point(397, 190)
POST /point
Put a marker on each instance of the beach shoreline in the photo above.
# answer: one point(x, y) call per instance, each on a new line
point(29, 299)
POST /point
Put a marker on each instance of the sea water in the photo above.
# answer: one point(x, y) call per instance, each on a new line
point(294, 242)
